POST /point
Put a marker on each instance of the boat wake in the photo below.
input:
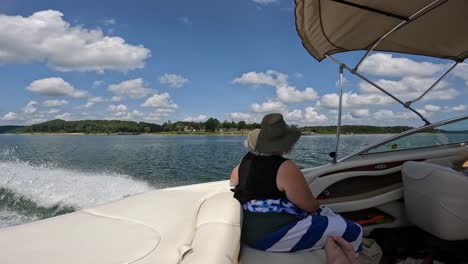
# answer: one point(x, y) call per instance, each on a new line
point(30, 192)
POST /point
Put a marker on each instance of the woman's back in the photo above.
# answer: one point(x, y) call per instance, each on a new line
point(257, 178)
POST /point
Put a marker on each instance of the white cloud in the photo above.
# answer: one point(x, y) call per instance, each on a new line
point(55, 86)
point(117, 108)
point(109, 21)
point(86, 106)
point(458, 108)
point(45, 36)
point(269, 107)
point(409, 88)
point(155, 116)
point(461, 71)
point(239, 116)
point(54, 103)
point(53, 111)
point(96, 99)
point(270, 77)
point(91, 102)
point(124, 115)
point(164, 110)
point(386, 65)
point(285, 93)
point(359, 113)
point(390, 116)
point(10, 116)
point(289, 94)
point(131, 88)
point(432, 108)
point(116, 99)
point(173, 80)
point(312, 116)
point(31, 107)
point(265, 2)
point(160, 101)
point(96, 84)
point(298, 75)
point(295, 115)
point(354, 100)
point(64, 116)
point(199, 118)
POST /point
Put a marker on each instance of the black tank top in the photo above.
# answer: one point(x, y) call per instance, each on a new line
point(257, 178)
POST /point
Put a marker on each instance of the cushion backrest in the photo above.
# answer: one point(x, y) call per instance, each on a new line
point(436, 199)
point(217, 231)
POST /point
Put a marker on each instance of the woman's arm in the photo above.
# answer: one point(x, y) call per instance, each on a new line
point(234, 176)
point(291, 181)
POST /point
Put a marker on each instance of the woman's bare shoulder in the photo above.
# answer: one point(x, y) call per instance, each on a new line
point(235, 176)
point(288, 174)
point(289, 167)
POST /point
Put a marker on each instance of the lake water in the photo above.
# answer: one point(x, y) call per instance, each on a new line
point(45, 175)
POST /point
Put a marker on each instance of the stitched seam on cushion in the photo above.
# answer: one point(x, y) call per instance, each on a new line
point(134, 222)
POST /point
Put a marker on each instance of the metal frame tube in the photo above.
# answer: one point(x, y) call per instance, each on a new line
point(340, 110)
point(378, 87)
point(433, 85)
point(422, 11)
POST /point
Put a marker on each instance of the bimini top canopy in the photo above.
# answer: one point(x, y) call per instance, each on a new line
point(421, 27)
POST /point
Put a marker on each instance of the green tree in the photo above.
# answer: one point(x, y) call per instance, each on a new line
point(241, 125)
point(226, 125)
point(212, 124)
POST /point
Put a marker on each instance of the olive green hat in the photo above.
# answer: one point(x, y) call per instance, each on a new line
point(274, 137)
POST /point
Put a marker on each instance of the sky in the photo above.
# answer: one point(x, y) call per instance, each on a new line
point(176, 60)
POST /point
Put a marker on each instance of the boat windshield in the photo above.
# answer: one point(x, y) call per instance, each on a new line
point(431, 136)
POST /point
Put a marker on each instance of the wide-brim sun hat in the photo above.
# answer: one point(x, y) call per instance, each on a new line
point(274, 137)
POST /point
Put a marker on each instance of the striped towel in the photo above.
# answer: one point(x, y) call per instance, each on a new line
point(311, 232)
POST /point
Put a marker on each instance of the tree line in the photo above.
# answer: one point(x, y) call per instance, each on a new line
point(117, 126)
point(212, 125)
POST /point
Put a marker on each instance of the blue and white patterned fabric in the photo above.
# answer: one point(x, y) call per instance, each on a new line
point(307, 234)
point(274, 206)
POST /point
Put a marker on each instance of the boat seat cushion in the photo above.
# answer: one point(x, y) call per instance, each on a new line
point(196, 224)
point(75, 238)
point(217, 231)
point(436, 199)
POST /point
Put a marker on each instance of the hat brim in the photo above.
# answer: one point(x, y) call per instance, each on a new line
point(252, 138)
point(276, 146)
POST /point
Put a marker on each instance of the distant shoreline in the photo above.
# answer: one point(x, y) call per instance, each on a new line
point(177, 134)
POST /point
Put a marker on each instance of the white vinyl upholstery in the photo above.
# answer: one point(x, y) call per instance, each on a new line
point(217, 231)
point(76, 238)
point(186, 225)
point(436, 199)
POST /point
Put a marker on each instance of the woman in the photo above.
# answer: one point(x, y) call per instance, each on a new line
point(280, 212)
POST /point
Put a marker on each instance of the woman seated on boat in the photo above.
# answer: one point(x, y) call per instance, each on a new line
point(280, 212)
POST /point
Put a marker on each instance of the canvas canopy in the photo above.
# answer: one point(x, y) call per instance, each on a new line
point(430, 28)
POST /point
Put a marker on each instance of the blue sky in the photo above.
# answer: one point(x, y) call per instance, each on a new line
point(189, 60)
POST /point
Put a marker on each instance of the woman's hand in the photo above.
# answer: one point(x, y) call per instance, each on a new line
point(339, 251)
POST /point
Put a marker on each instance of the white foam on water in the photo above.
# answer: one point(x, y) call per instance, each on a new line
point(48, 186)
point(11, 218)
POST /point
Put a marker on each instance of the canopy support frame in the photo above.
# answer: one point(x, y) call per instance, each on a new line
point(340, 103)
point(341, 64)
point(433, 85)
point(411, 18)
point(340, 110)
